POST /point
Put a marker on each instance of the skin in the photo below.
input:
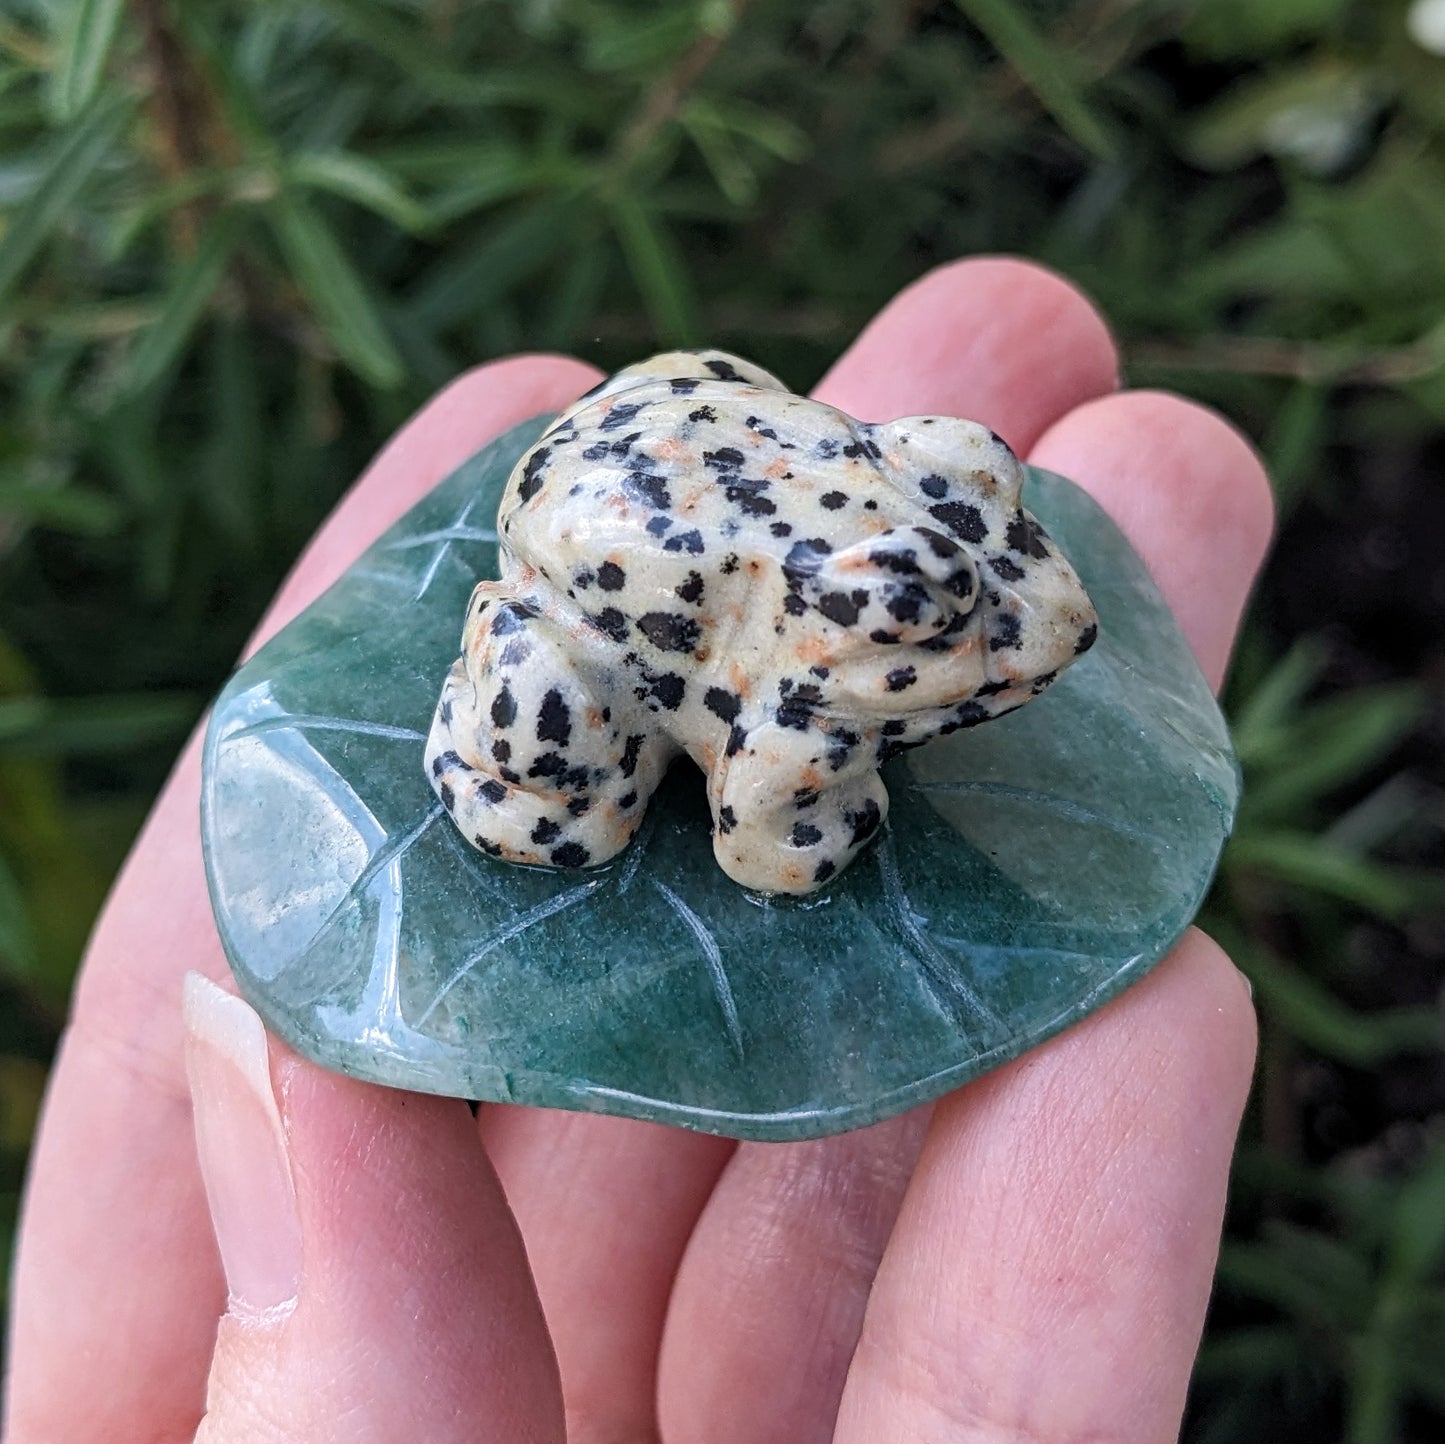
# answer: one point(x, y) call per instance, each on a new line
point(1028, 1260)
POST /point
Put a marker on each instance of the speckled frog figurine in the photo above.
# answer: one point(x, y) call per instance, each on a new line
point(695, 560)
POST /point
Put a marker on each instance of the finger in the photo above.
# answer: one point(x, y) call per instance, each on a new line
point(378, 1285)
point(1000, 341)
point(116, 1289)
point(1049, 1271)
point(992, 339)
point(606, 1207)
point(778, 1277)
point(1187, 490)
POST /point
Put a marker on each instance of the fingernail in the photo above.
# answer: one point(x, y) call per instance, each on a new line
point(242, 1148)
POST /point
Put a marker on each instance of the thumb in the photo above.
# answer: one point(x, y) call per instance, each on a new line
point(378, 1285)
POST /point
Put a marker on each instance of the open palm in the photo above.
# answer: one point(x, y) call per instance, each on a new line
point(1028, 1259)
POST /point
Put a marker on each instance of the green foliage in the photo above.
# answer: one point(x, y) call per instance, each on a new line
point(240, 241)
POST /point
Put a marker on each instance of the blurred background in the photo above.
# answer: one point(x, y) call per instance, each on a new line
point(240, 241)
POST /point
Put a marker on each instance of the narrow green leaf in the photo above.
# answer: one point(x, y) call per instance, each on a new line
point(1265, 712)
point(1300, 860)
point(1042, 67)
point(192, 287)
point(337, 293)
point(659, 271)
point(42, 726)
point(1331, 745)
point(82, 148)
point(359, 179)
point(87, 47)
point(1314, 1016)
point(70, 509)
point(17, 942)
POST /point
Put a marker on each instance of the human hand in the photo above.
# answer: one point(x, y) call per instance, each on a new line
point(1029, 1258)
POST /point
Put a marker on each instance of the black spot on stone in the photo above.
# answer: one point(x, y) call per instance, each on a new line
point(833, 500)
point(805, 558)
point(748, 496)
point(570, 854)
point(1006, 568)
point(504, 708)
point(1087, 638)
point(554, 721)
point(901, 678)
point(903, 561)
point(805, 797)
point(658, 524)
point(669, 631)
point(611, 621)
point(684, 385)
point(884, 639)
point(825, 870)
point(781, 528)
point(794, 713)
point(502, 750)
point(794, 605)
point(703, 413)
point(546, 831)
point(819, 672)
point(578, 805)
point(511, 617)
point(516, 652)
point(870, 505)
point(508, 776)
point(960, 584)
point(650, 487)
point(583, 578)
point(549, 764)
point(621, 413)
point(685, 541)
point(970, 714)
point(737, 740)
point(492, 849)
point(628, 799)
point(669, 690)
point(896, 728)
point(596, 451)
point(804, 834)
point(729, 565)
point(961, 518)
point(755, 423)
point(492, 790)
point(1006, 633)
point(448, 797)
point(630, 750)
point(445, 761)
point(826, 449)
point(722, 369)
point(1043, 683)
point(725, 458)
point(864, 822)
point(906, 604)
point(531, 482)
point(992, 689)
point(722, 703)
point(611, 577)
point(934, 486)
point(1024, 534)
point(727, 819)
point(691, 589)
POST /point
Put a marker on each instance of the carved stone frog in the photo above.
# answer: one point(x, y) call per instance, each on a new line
point(695, 560)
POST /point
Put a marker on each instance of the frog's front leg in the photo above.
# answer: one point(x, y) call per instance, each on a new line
point(532, 749)
point(792, 807)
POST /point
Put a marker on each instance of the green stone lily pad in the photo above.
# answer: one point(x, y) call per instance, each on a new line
point(1030, 870)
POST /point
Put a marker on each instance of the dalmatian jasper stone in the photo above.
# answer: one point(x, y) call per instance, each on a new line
point(695, 560)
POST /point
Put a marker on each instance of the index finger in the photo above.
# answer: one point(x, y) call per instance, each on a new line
point(117, 1285)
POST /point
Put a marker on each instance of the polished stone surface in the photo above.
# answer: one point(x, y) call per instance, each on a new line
point(1029, 871)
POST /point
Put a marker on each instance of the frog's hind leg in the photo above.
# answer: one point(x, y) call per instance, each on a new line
point(528, 750)
point(792, 808)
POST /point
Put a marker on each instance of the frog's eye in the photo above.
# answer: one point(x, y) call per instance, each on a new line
point(903, 586)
